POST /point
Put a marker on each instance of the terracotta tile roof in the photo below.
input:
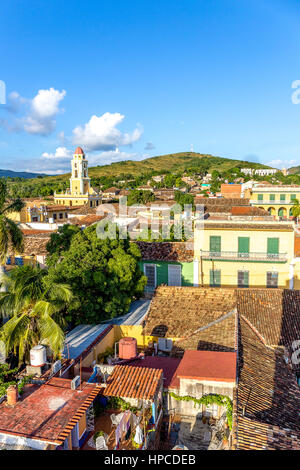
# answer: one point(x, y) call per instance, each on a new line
point(43, 412)
point(208, 365)
point(133, 382)
point(179, 312)
point(79, 151)
point(35, 242)
point(266, 403)
point(218, 337)
point(87, 220)
point(85, 209)
point(220, 204)
point(249, 225)
point(166, 251)
point(274, 314)
point(261, 325)
point(168, 365)
point(248, 210)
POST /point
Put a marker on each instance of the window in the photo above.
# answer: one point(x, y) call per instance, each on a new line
point(61, 215)
point(174, 275)
point(165, 344)
point(272, 279)
point(282, 197)
point(293, 197)
point(54, 216)
point(273, 247)
point(215, 245)
point(243, 247)
point(243, 278)
point(215, 278)
point(150, 272)
point(272, 197)
point(260, 197)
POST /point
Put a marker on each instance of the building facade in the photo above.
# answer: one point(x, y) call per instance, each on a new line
point(277, 200)
point(80, 191)
point(246, 254)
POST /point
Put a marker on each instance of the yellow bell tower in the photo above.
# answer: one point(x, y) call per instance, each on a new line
point(80, 191)
point(79, 181)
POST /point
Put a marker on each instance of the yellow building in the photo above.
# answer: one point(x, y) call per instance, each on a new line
point(246, 254)
point(277, 200)
point(80, 191)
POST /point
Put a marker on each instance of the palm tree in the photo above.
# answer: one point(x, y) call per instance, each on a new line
point(296, 209)
point(35, 306)
point(10, 234)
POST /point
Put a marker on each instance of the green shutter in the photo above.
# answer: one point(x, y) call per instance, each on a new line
point(243, 244)
point(272, 197)
point(215, 278)
point(282, 197)
point(215, 244)
point(293, 197)
point(260, 197)
point(273, 246)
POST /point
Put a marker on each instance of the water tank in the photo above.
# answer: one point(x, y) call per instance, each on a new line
point(38, 356)
point(127, 348)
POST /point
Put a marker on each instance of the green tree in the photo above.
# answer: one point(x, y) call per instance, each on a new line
point(60, 241)
point(296, 209)
point(36, 309)
point(140, 197)
point(104, 273)
point(10, 234)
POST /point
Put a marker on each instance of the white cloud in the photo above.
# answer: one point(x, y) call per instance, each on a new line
point(101, 133)
point(37, 115)
point(15, 102)
point(60, 152)
point(44, 108)
point(110, 156)
point(281, 163)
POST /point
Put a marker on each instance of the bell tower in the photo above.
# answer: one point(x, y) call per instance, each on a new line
point(79, 181)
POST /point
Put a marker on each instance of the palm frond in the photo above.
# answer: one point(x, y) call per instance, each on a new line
point(51, 334)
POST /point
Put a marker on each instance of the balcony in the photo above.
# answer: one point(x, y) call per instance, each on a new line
point(235, 256)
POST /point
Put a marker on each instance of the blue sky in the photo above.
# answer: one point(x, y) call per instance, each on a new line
point(132, 79)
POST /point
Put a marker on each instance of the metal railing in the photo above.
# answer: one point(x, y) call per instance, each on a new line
point(233, 255)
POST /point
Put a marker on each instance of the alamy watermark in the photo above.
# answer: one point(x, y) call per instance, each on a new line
point(2, 92)
point(155, 222)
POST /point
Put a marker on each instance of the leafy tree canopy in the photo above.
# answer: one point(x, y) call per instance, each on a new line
point(104, 274)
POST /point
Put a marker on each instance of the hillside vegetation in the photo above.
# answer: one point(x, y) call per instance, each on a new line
point(165, 163)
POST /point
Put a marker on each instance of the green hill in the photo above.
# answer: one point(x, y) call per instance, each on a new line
point(163, 163)
point(294, 170)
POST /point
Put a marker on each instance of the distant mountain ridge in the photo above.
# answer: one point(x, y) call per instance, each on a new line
point(20, 174)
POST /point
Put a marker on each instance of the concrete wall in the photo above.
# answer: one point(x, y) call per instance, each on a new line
point(106, 342)
point(197, 389)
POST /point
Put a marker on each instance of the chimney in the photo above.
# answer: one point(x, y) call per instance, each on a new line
point(12, 395)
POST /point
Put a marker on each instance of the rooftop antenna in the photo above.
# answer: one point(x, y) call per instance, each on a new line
point(192, 147)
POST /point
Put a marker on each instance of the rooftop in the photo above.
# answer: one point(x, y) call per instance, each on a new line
point(179, 312)
point(166, 251)
point(133, 382)
point(169, 366)
point(43, 412)
point(208, 365)
point(81, 338)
